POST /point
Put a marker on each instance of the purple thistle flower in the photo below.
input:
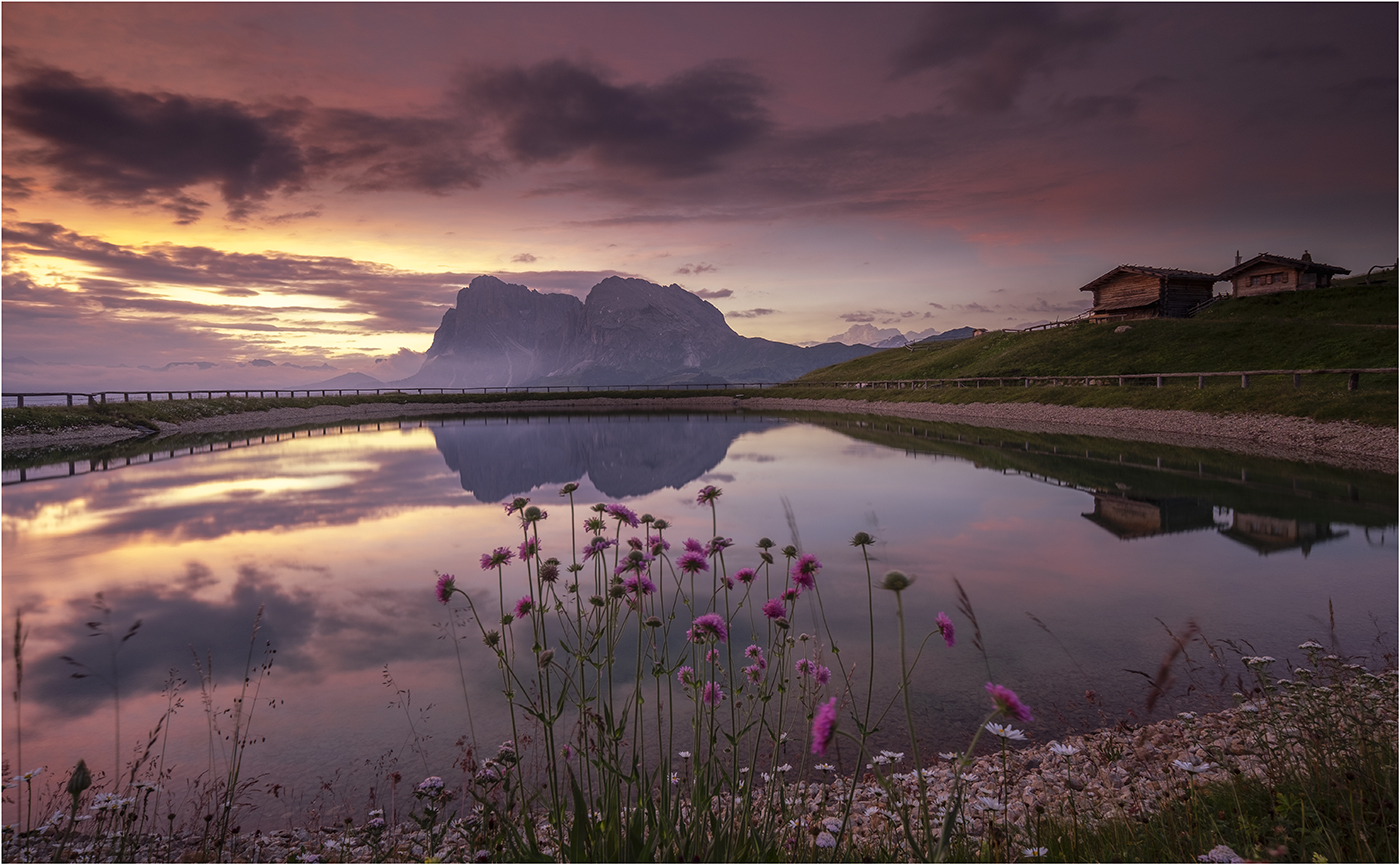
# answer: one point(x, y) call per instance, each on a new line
point(717, 546)
point(790, 593)
point(623, 514)
point(712, 656)
point(595, 525)
point(639, 584)
point(728, 582)
point(755, 653)
point(713, 694)
point(524, 606)
point(694, 546)
point(635, 543)
point(708, 626)
point(686, 675)
point(496, 558)
point(596, 547)
point(745, 575)
point(945, 627)
point(804, 667)
point(692, 562)
point(549, 573)
point(822, 675)
point(529, 548)
point(774, 609)
point(824, 728)
point(708, 495)
point(636, 562)
point(516, 504)
point(804, 572)
point(446, 585)
point(657, 545)
point(754, 673)
point(1008, 703)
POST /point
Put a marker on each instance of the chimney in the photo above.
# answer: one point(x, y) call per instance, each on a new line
point(1237, 256)
point(1307, 259)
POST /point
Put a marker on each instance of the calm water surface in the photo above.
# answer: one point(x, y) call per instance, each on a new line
point(1079, 557)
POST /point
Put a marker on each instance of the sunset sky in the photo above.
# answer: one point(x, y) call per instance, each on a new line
point(312, 183)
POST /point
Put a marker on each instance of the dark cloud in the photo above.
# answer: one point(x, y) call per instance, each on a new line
point(1096, 107)
point(1043, 305)
point(992, 49)
point(680, 127)
point(972, 307)
point(115, 145)
point(1294, 53)
point(524, 258)
point(860, 317)
point(17, 187)
point(750, 313)
point(688, 269)
point(712, 295)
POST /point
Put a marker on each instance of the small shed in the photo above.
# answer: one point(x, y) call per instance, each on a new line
point(1270, 274)
point(1133, 291)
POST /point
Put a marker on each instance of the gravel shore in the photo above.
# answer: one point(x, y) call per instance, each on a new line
point(1339, 443)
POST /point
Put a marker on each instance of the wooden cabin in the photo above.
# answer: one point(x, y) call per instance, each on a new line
point(1274, 534)
point(1131, 291)
point(1144, 516)
point(1269, 274)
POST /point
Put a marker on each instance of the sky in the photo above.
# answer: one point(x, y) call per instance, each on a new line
point(290, 191)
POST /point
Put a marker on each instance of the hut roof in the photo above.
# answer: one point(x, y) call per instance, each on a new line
point(1305, 264)
point(1169, 272)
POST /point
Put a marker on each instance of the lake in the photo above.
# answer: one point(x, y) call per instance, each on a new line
point(1080, 558)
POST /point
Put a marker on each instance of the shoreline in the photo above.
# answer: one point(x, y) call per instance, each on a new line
point(1343, 444)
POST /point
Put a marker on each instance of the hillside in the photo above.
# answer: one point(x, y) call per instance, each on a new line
point(1345, 326)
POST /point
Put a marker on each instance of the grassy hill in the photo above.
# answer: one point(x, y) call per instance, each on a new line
point(1346, 326)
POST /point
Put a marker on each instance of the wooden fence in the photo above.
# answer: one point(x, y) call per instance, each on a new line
point(1353, 379)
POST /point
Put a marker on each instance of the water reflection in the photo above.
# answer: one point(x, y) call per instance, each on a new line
point(338, 537)
point(623, 455)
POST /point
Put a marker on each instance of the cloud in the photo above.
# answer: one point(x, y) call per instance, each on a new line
point(697, 268)
point(524, 258)
point(681, 127)
point(750, 313)
point(991, 50)
point(707, 294)
point(863, 316)
point(971, 307)
point(1043, 305)
point(936, 305)
point(114, 145)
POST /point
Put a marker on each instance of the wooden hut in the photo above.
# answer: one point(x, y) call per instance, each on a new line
point(1144, 516)
point(1269, 274)
point(1131, 291)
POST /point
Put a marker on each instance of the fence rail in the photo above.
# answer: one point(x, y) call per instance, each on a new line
point(1353, 378)
point(98, 397)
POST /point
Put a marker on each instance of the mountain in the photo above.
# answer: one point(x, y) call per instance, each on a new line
point(957, 333)
point(627, 331)
point(880, 337)
point(348, 380)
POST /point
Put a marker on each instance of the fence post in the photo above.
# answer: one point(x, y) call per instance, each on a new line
point(1353, 381)
point(70, 400)
point(1297, 380)
point(1200, 382)
point(1120, 381)
point(1159, 381)
point(19, 401)
point(1244, 379)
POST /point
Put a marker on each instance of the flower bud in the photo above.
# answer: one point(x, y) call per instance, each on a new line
point(545, 657)
point(895, 581)
point(790, 551)
point(862, 539)
point(567, 488)
point(653, 622)
point(597, 601)
point(80, 780)
point(661, 524)
point(648, 518)
point(491, 638)
point(765, 544)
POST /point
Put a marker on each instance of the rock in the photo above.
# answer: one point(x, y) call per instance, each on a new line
point(1123, 328)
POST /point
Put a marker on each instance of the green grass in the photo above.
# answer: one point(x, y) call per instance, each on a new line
point(1343, 327)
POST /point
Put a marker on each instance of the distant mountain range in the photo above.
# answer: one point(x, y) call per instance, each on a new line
point(892, 337)
point(627, 331)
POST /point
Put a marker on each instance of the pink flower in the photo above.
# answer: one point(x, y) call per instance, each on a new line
point(496, 558)
point(694, 546)
point(686, 675)
point(658, 544)
point(708, 495)
point(804, 571)
point(524, 606)
point(529, 549)
point(623, 514)
point(945, 627)
point(744, 575)
point(639, 585)
point(713, 694)
point(718, 545)
point(707, 627)
point(446, 585)
point(824, 728)
point(596, 546)
point(1008, 703)
point(755, 653)
point(517, 504)
point(774, 609)
point(804, 667)
point(692, 562)
point(822, 675)
point(754, 673)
